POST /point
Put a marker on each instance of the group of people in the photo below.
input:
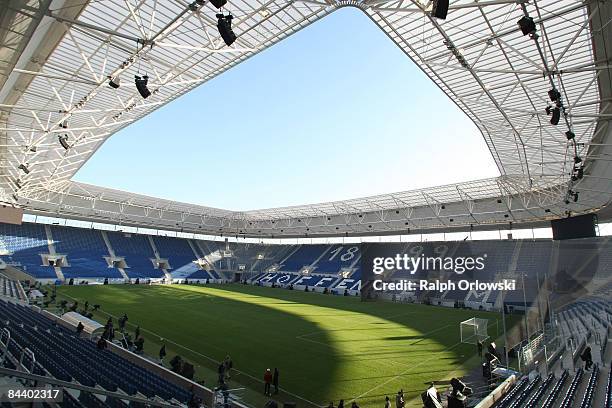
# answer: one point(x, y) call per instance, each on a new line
point(136, 345)
point(224, 370)
point(271, 379)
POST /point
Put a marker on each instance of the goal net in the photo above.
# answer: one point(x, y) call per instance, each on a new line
point(474, 330)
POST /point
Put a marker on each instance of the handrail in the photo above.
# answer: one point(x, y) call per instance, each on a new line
point(5, 345)
point(75, 386)
point(30, 354)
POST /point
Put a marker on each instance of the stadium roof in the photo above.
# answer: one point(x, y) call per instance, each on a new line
point(58, 57)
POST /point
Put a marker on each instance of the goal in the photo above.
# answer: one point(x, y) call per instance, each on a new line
point(474, 330)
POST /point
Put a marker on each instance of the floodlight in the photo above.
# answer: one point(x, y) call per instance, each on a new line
point(224, 25)
point(24, 168)
point(570, 135)
point(577, 159)
point(63, 140)
point(439, 9)
point(114, 82)
point(141, 85)
point(554, 95)
point(218, 3)
point(527, 25)
point(556, 115)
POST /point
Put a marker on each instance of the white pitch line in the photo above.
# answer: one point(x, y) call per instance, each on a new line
point(401, 374)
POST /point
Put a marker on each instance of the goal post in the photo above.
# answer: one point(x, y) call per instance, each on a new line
point(474, 330)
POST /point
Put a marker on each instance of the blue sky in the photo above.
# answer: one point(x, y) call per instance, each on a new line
point(335, 111)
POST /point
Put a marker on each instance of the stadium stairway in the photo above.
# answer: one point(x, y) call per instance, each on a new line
point(111, 253)
point(51, 246)
point(159, 259)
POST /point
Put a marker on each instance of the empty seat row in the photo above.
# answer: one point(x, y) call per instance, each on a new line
point(587, 400)
point(608, 403)
point(541, 391)
point(514, 392)
point(519, 400)
point(570, 394)
point(552, 397)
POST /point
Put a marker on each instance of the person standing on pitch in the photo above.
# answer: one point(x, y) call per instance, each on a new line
point(399, 399)
point(479, 348)
point(275, 380)
point(387, 402)
point(227, 365)
point(267, 382)
point(162, 353)
point(221, 372)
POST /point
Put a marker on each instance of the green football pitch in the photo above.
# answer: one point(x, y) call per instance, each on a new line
point(326, 347)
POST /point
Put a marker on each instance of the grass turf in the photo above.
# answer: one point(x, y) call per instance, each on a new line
point(326, 347)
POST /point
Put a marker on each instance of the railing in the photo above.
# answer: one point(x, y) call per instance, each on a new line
point(26, 352)
point(5, 339)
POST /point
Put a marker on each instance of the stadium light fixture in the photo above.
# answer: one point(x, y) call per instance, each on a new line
point(577, 159)
point(527, 25)
point(439, 9)
point(23, 167)
point(114, 82)
point(63, 140)
point(218, 3)
point(554, 95)
point(141, 85)
point(224, 25)
point(555, 114)
point(570, 135)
